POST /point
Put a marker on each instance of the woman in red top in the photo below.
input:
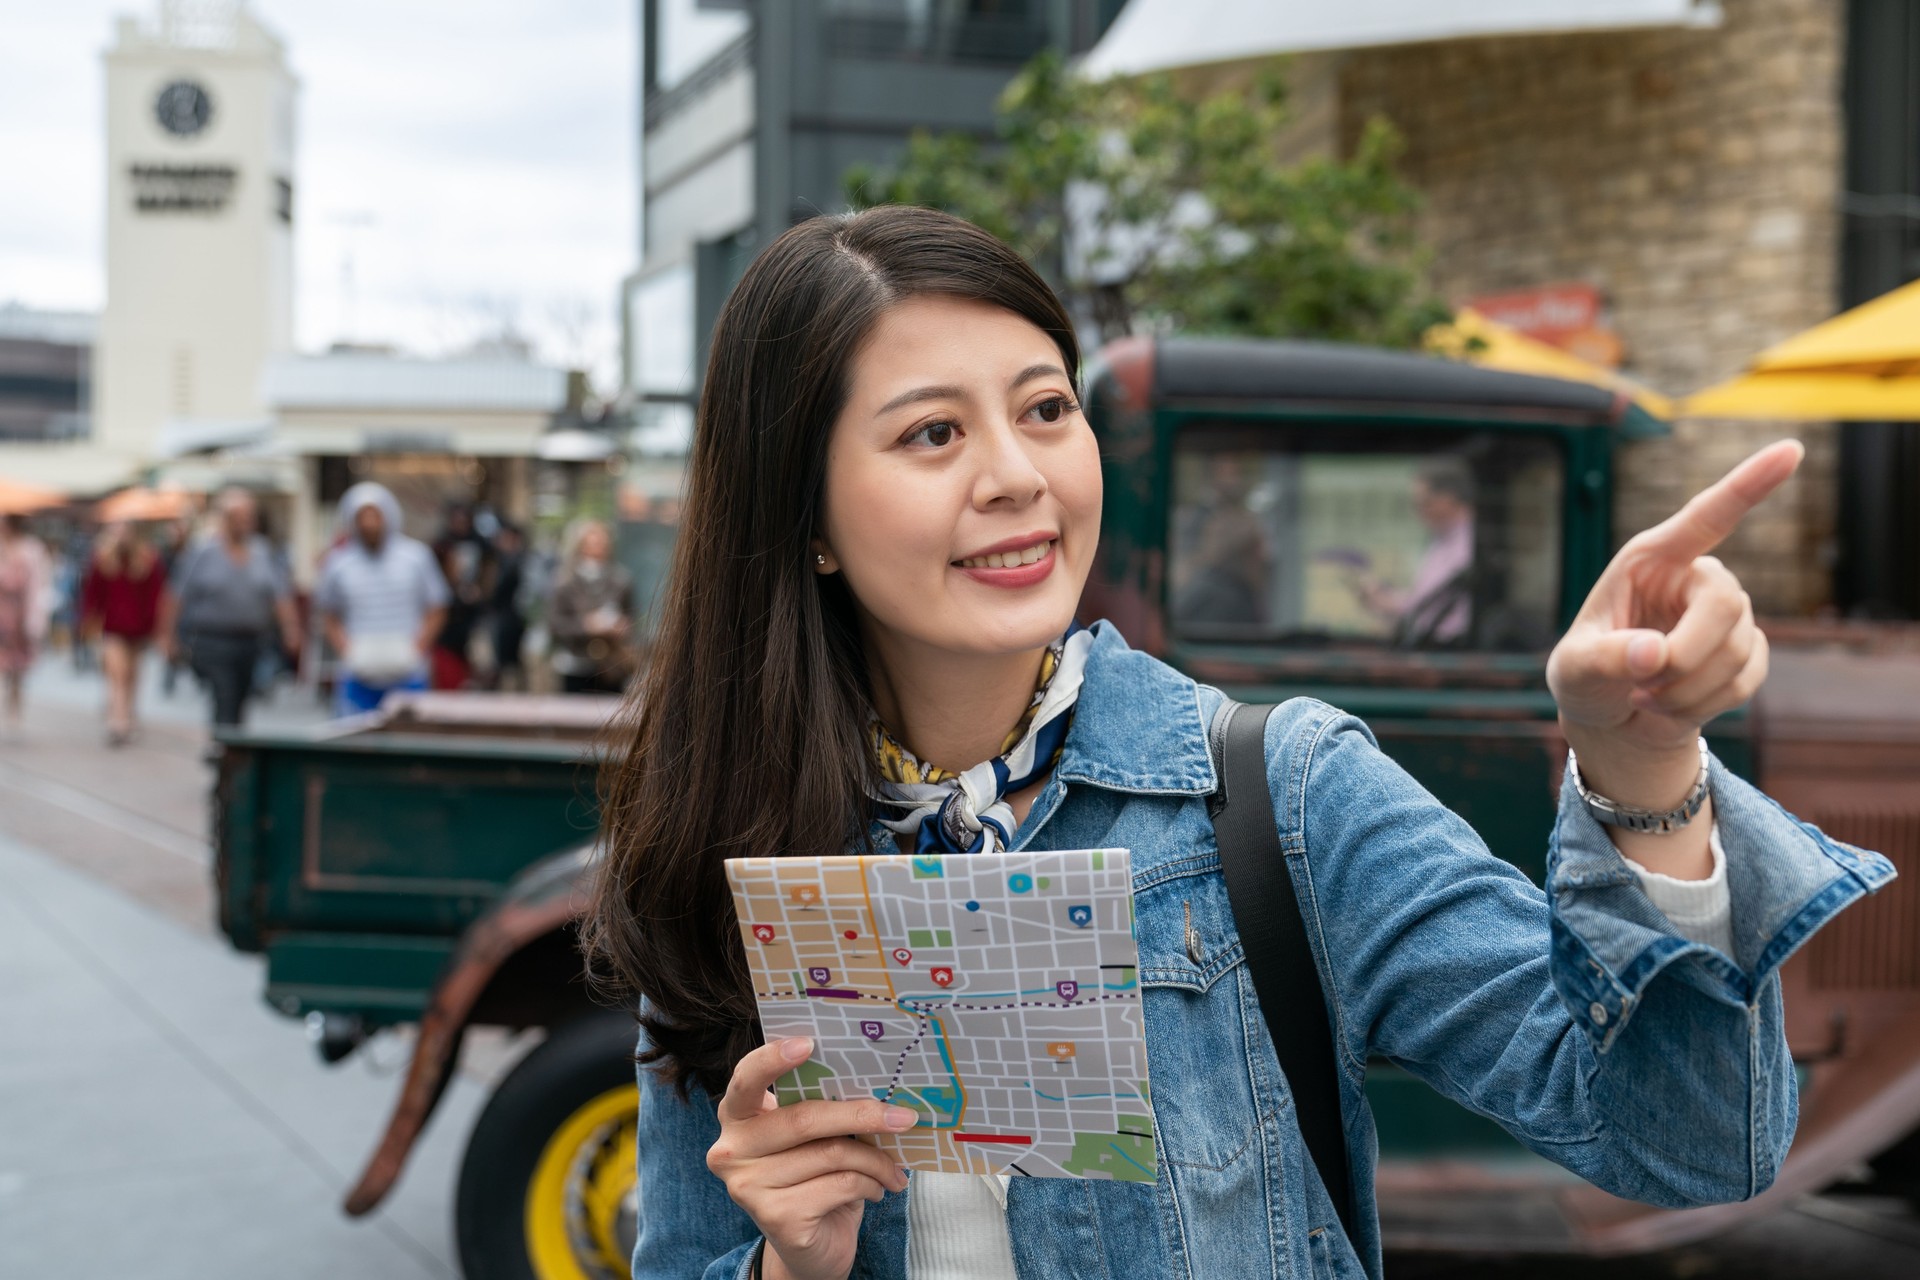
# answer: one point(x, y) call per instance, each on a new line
point(120, 605)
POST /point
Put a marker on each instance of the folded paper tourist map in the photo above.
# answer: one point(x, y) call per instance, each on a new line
point(996, 994)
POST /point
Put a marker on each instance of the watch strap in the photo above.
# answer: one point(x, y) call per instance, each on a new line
point(1632, 817)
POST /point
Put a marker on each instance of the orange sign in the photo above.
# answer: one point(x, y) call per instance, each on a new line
point(1570, 316)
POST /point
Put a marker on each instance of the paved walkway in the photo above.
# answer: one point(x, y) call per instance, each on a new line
point(156, 1118)
point(134, 817)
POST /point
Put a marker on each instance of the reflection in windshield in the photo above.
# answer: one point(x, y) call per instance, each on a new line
point(1438, 604)
point(1451, 546)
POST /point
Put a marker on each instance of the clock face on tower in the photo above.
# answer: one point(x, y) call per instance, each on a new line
point(183, 108)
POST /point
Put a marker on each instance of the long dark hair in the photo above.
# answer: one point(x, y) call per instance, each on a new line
point(746, 736)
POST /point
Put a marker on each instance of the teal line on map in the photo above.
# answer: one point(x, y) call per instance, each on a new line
point(905, 1005)
point(1052, 1098)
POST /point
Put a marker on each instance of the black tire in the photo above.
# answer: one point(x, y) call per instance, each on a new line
point(580, 1061)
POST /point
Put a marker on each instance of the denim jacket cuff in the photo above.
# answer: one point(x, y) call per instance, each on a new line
point(1786, 880)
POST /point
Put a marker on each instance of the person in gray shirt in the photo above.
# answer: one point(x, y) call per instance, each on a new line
point(227, 600)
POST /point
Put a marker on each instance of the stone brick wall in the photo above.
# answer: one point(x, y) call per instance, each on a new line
point(1692, 176)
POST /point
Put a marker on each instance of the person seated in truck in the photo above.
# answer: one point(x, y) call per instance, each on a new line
point(1436, 607)
point(381, 600)
point(868, 643)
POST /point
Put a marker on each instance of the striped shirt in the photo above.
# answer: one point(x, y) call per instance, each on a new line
point(384, 593)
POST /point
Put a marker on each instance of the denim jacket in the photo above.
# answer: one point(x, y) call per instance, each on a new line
point(1577, 1018)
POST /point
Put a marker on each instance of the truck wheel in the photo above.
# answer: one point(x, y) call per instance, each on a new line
point(548, 1186)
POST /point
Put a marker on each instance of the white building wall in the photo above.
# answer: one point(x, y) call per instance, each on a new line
point(712, 200)
point(199, 297)
point(720, 116)
point(696, 184)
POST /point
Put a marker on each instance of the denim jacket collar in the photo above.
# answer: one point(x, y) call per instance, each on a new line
point(1138, 725)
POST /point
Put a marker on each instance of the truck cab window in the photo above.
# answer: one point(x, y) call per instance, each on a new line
point(1428, 541)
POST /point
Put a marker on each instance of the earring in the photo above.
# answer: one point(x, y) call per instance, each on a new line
point(820, 560)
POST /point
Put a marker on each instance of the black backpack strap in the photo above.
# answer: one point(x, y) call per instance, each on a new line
point(1274, 937)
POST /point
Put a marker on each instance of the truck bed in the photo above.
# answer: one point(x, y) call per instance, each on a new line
point(353, 855)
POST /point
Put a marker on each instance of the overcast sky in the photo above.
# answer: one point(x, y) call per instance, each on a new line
point(484, 148)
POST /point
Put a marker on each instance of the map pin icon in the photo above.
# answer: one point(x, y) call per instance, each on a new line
point(1068, 990)
point(901, 955)
point(943, 976)
point(872, 1030)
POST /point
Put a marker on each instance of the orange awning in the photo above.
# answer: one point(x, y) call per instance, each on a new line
point(145, 504)
point(19, 499)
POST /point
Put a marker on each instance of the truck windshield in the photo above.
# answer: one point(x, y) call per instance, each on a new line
point(1417, 540)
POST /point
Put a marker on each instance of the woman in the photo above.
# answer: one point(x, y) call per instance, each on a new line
point(893, 502)
point(120, 606)
point(591, 614)
point(25, 606)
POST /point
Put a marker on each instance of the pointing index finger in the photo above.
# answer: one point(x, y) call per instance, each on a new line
point(1715, 511)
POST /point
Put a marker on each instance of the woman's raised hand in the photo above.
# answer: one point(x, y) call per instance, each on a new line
point(796, 1170)
point(1666, 639)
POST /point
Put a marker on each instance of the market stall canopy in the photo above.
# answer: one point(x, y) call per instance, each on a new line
point(1158, 35)
point(144, 504)
point(1472, 337)
point(577, 444)
point(21, 499)
point(179, 439)
point(1861, 366)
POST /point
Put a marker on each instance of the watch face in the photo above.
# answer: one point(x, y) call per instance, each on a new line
point(183, 108)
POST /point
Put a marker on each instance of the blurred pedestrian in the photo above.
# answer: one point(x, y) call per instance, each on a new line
point(467, 562)
point(507, 612)
point(120, 604)
point(228, 602)
point(591, 615)
point(176, 535)
point(381, 600)
point(69, 583)
point(26, 599)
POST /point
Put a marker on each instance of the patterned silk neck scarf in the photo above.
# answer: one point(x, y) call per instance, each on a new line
point(967, 812)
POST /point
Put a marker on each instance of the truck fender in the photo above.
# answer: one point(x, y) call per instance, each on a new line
point(547, 896)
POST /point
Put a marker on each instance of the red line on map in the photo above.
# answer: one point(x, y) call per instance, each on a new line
point(1013, 1139)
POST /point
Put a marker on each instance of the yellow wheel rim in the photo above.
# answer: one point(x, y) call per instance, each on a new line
point(582, 1185)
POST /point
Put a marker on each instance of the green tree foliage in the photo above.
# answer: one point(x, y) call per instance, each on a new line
point(1186, 220)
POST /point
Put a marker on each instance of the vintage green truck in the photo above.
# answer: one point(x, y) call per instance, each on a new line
point(1400, 535)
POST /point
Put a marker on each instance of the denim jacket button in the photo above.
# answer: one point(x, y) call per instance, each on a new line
point(1598, 1012)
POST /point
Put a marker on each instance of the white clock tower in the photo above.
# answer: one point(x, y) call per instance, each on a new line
point(200, 207)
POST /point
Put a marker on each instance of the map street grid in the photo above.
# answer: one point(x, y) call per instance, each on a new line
point(996, 994)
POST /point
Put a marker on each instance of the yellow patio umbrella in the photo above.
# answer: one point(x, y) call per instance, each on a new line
point(1863, 366)
point(1472, 337)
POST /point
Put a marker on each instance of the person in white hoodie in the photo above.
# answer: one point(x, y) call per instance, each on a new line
point(381, 600)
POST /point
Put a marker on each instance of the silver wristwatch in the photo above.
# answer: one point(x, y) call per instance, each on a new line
point(1633, 818)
